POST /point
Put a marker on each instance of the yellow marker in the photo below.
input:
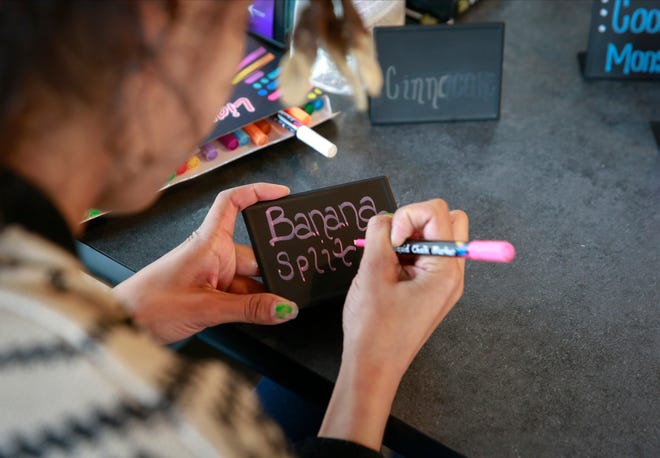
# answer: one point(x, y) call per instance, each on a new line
point(192, 162)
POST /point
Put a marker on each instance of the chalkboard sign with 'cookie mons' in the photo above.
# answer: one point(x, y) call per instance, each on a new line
point(304, 242)
point(624, 40)
point(439, 73)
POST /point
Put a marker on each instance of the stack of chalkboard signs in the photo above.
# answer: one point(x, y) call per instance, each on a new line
point(439, 73)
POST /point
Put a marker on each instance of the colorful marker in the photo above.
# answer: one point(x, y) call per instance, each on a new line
point(182, 168)
point(318, 103)
point(242, 137)
point(299, 114)
point(263, 125)
point(257, 135)
point(305, 134)
point(208, 151)
point(229, 141)
point(192, 163)
point(477, 250)
point(313, 106)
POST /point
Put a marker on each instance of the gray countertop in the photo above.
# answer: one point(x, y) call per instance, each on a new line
point(555, 354)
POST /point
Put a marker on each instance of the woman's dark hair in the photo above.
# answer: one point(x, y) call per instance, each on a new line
point(78, 49)
point(63, 46)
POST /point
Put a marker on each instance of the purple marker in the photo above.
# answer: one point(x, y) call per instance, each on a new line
point(477, 250)
point(209, 151)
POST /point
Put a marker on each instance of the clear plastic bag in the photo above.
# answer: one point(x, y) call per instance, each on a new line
point(374, 13)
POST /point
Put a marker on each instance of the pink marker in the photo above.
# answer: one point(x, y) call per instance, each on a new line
point(229, 141)
point(477, 250)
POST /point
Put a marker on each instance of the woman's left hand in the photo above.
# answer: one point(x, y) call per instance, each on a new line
point(207, 280)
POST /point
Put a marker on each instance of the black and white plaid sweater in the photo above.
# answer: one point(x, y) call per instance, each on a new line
point(79, 379)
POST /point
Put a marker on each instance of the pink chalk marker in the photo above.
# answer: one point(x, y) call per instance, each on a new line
point(477, 250)
point(229, 141)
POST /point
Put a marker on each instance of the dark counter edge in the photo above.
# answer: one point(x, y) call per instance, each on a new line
point(256, 355)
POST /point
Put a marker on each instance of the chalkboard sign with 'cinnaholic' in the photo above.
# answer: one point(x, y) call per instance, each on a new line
point(624, 40)
point(304, 242)
point(439, 73)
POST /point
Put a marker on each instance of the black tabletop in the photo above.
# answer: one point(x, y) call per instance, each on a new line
point(555, 354)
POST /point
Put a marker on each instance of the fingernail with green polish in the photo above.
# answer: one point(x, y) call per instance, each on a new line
point(388, 214)
point(285, 311)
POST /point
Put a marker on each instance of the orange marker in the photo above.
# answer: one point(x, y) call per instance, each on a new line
point(264, 126)
point(299, 114)
point(257, 135)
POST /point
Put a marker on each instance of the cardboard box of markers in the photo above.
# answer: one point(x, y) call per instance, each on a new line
point(250, 138)
point(253, 119)
point(243, 141)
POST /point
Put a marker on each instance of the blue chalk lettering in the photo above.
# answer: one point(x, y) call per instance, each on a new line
point(623, 27)
point(642, 20)
point(618, 58)
point(637, 60)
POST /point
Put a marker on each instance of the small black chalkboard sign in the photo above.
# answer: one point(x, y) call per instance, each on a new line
point(304, 242)
point(439, 73)
point(624, 40)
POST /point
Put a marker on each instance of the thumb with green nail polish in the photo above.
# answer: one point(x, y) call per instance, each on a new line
point(207, 280)
point(285, 311)
point(256, 308)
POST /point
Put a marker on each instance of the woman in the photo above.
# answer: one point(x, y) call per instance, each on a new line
point(98, 102)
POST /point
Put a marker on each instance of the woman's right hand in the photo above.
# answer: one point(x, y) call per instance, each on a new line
point(391, 309)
